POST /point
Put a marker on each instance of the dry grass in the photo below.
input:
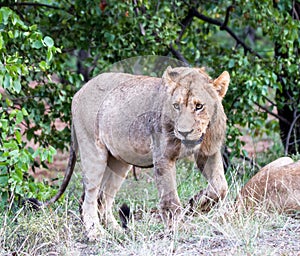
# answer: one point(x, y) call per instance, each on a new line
point(223, 231)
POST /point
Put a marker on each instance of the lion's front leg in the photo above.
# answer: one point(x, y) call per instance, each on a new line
point(213, 170)
point(165, 177)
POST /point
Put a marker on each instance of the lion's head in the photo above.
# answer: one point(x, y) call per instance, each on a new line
point(195, 101)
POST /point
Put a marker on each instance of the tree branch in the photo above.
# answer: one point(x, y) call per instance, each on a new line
point(223, 26)
point(30, 4)
point(178, 54)
point(185, 23)
point(296, 10)
point(289, 135)
point(272, 114)
point(136, 11)
point(228, 10)
point(270, 101)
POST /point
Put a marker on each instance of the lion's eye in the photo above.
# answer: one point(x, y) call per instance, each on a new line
point(176, 106)
point(199, 106)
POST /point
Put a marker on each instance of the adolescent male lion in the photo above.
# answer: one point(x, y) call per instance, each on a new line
point(121, 120)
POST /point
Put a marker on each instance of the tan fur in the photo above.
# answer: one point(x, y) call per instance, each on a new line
point(122, 120)
point(275, 186)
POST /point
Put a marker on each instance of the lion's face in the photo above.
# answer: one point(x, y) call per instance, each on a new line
point(195, 99)
point(191, 117)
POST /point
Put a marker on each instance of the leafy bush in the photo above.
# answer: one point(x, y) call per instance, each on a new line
point(26, 57)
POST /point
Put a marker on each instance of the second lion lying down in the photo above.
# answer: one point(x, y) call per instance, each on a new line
point(121, 120)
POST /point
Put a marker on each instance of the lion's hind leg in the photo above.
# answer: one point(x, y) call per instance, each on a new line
point(93, 162)
point(113, 178)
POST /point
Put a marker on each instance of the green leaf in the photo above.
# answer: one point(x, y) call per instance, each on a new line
point(49, 54)
point(24, 111)
point(7, 80)
point(245, 153)
point(231, 63)
point(8, 102)
point(36, 153)
point(3, 178)
point(10, 34)
point(18, 136)
point(43, 65)
point(48, 41)
point(1, 41)
point(109, 37)
point(52, 150)
point(18, 176)
point(19, 117)
point(11, 145)
point(5, 14)
point(17, 86)
point(37, 44)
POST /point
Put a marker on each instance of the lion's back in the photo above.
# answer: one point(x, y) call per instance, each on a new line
point(86, 101)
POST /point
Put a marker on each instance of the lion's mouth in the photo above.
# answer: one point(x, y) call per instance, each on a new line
point(192, 143)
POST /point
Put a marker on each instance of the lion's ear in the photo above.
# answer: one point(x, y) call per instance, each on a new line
point(202, 70)
point(169, 78)
point(170, 75)
point(221, 83)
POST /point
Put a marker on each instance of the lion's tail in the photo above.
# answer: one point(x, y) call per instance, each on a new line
point(124, 214)
point(36, 204)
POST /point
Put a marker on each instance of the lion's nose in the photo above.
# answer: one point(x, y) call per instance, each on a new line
point(184, 134)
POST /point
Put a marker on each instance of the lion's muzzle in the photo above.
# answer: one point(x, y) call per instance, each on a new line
point(192, 143)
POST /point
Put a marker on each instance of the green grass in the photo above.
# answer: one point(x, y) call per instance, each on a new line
point(223, 231)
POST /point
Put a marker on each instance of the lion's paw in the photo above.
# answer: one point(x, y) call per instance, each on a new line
point(202, 201)
point(171, 217)
point(95, 233)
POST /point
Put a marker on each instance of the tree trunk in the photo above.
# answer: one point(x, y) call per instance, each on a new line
point(288, 106)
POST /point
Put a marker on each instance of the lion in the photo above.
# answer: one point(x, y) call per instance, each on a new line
point(275, 186)
point(120, 120)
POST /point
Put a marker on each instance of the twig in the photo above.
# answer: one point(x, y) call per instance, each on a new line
point(272, 114)
point(226, 28)
point(228, 10)
point(178, 54)
point(227, 163)
point(287, 143)
point(294, 142)
point(31, 4)
point(270, 101)
point(184, 24)
point(136, 11)
point(294, 11)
